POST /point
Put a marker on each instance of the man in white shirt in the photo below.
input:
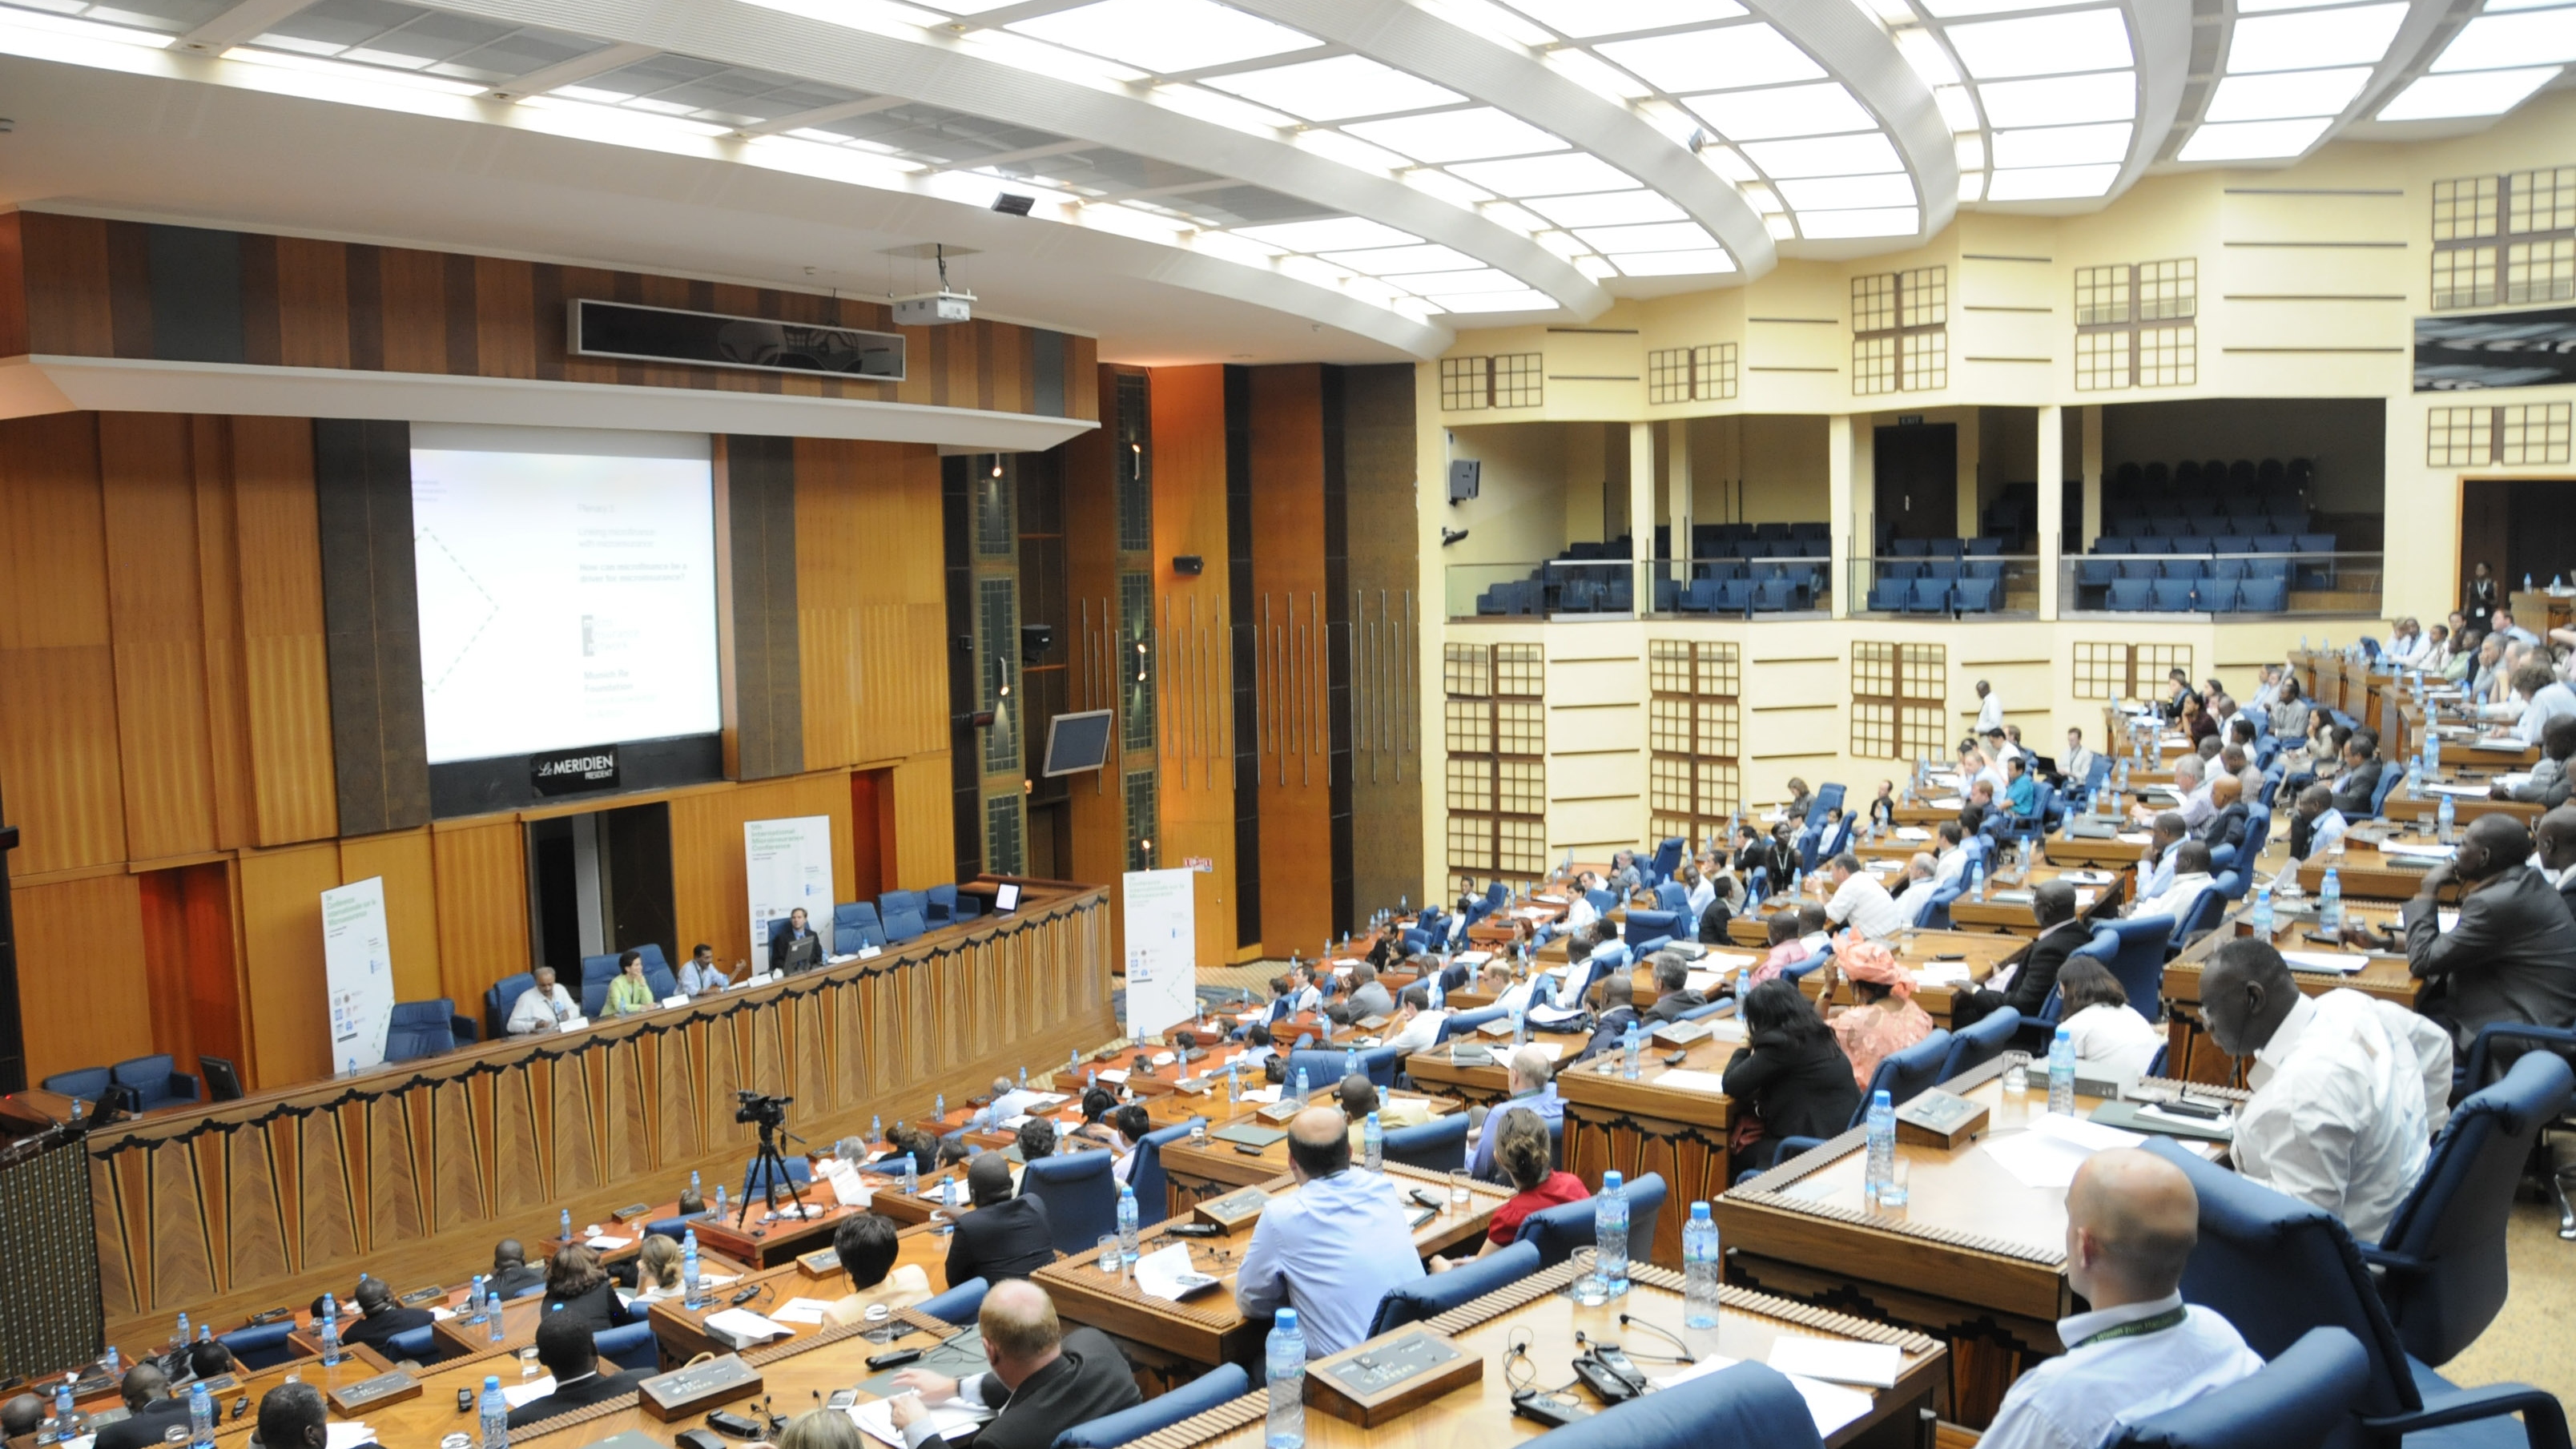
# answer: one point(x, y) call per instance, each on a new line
point(1990, 709)
point(2076, 765)
point(2191, 781)
point(1860, 902)
point(2547, 698)
point(1508, 994)
point(700, 974)
point(2267, 689)
point(1304, 995)
point(2317, 825)
point(2132, 1220)
point(1417, 1025)
point(2405, 644)
point(2348, 1089)
point(2191, 879)
point(1579, 910)
point(542, 1007)
point(2505, 627)
point(2156, 871)
point(1952, 861)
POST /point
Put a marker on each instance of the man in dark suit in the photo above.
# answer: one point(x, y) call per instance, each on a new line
point(566, 1348)
point(150, 1408)
point(1673, 995)
point(511, 1275)
point(2355, 788)
point(1044, 1380)
point(2053, 904)
point(1005, 1236)
point(384, 1317)
point(2557, 838)
point(2227, 820)
point(291, 1416)
point(2511, 956)
point(1618, 1013)
point(793, 946)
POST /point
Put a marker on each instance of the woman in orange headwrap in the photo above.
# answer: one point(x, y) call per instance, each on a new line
point(1885, 1020)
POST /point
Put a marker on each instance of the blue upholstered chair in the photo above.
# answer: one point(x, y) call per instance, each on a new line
point(417, 1345)
point(1080, 1193)
point(674, 1228)
point(630, 1346)
point(90, 1084)
point(755, 1180)
point(1222, 1384)
point(1556, 1232)
point(155, 1081)
point(1435, 1146)
point(959, 1304)
point(1323, 1066)
point(503, 996)
point(1437, 1293)
point(1145, 1174)
point(262, 1345)
point(939, 904)
point(1460, 1023)
point(2303, 1399)
point(1977, 1045)
point(1903, 1076)
point(1750, 1403)
point(855, 924)
point(903, 915)
point(1646, 928)
point(2139, 960)
point(420, 1029)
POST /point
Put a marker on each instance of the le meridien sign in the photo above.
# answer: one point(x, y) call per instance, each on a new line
point(569, 772)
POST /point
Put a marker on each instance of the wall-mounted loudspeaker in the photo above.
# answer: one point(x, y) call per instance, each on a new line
point(1188, 565)
point(1035, 641)
point(1464, 476)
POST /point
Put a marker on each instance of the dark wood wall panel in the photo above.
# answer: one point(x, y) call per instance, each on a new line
point(371, 613)
point(1293, 599)
point(764, 719)
point(1378, 450)
point(91, 288)
point(1193, 725)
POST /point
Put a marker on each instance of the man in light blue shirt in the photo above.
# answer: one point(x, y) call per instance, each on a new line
point(2155, 877)
point(2550, 700)
point(700, 974)
point(1529, 1076)
point(1333, 1247)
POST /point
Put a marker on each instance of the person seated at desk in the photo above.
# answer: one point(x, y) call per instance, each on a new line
point(22, 1415)
point(1787, 948)
point(206, 1359)
point(793, 946)
point(2290, 711)
point(511, 1274)
point(1333, 1247)
point(1527, 1156)
point(905, 1140)
point(2190, 879)
point(2109, 1035)
point(579, 1290)
point(630, 993)
point(1884, 1019)
point(1368, 994)
point(2510, 956)
point(1509, 992)
point(700, 975)
point(1791, 1075)
point(1093, 1130)
point(1303, 994)
point(1043, 1379)
point(2348, 1089)
point(868, 1245)
point(565, 1345)
point(1860, 902)
point(1359, 1097)
point(1979, 807)
point(1527, 1073)
point(2075, 767)
point(293, 1416)
point(2021, 790)
point(1618, 1013)
point(1800, 798)
point(2226, 825)
point(1719, 913)
point(2156, 867)
point(1128, 1126)
point(823, 1429)
point(2556, 839)
point(1417, 1025)
point(1915, 891)
point(1624, 878)
point(1580, 913)
point(2358, 781)
point(542, 1007)
point(2549, 778)
point(2132, 1220)
point(1008, 1101)
point(2196, 723)
point(2316, 825)
point(1673, 993)
point(2550, 700)
point(150, 1410)
point(1005, 1236)
point(657, 1272)
point(1950, 855)
point(383, 1317)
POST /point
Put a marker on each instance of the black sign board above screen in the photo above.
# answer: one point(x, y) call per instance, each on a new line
point(2495, 349)
point(571, 772)
point(711, 339)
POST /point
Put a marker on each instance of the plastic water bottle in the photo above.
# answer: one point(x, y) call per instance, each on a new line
point(1520, 1026)
point(181, 1340)
point(1286, 1380)
point(2061, 1074)
point(1303, 1088)
point(62, 1410)
point(492, 1317)
point(496, 1414)
point(2263, 914)
point(2330, 901)
point(2415, 781)
point(1234, 1083)
point(1090, 1081)
point(1629, 1048)
point(694, 1190)
point(1126, 1223)
point(1350, 1063)
point(720, 1200)
point(911, 1175)
point(1072, 1065)
point(1881, 1165)
point(1977, 882)
point(1324, 1019)
point(2433, 755)
point(1373, 1144)
point(1024, 1079)
point(1610, 1234)
point(116, 1361)
point(939, 1107)
point(2445, 816)
point(2122, 785)
point(201, 1416)
point(1700, 1269)
point(474, 1301)
point(330, 1332)
point(205, 1333)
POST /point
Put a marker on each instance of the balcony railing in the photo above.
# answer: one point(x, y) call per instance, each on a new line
point(2269, 584)
point(1981, 586)
point(1626, 589)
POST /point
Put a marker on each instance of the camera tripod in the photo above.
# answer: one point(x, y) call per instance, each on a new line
point(770, 1170)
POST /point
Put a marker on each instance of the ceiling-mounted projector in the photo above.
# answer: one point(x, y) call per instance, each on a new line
point(930, 309)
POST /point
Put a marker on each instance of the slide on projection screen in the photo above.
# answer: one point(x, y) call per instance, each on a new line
point(567, 588)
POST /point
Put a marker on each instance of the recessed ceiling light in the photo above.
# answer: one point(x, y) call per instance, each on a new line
point(1496, 302)
point(1339, 86)
point(1164, 36)
point(2060, 100)
point(1826, 156)
point(1583, 19)
point(1546, 175)
point(2043, 45)
point(2252, 140)
point(2305, 40)
point(1834, 225)
point(1842, 193)
point(1700, 261)
point(2290, 93)
point(1609, 208)
point(1483, 279)
point(1596, 75)
point(1333, 234)
point(1468, 135)
point(1671, 236)
point(1404, 261)
point(2051, 183)
point(1721, 59)
point(2062, 145)
point(1814, 110)
point(2535, 37)
point(2487, 93)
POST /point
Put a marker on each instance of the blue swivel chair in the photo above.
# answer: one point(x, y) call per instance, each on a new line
point(420, 1345)
point(755, 1178)
point(2301, 1400)
point(2139, 960)
point(1323, 1066)
point(1556, 1232)
point(855, 924)
point(1080, 1193)
point(504, 995)
point(1145, 1174)
point(902, 913)
point(1903, 1076)
point(154, 1081)
point(1222, 1384)
point(261, 1346)
point(630, 1346)
point(421, 1029)
point(1437, 1293)
point(939, 904)
point(1977, 1045)
point(1460, 1023)
point(90, 1084)
point(960, 1304)
point(1435, 1146)
point(1750, 1403)
point(675, 1227)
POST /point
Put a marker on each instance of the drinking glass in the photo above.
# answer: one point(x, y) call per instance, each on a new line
point(1587, 1289)
point(2016, 1071)
point(1109, 1262)
point(1894, 1192)
point(528, 1366)
point(1460, 1193)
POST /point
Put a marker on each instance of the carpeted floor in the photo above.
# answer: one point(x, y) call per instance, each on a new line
point(2527, 1343)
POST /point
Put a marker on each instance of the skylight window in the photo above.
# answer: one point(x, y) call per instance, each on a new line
point(2536, 37)
point(1836, 225)
point(2291, 93)
point(1609, 208)
point(2252, 140)
point(2059, 100)
point(2307, 39)
point(1583, 19)
point(2051, 183)
point(1469, 135)
point(2487, 93)
point(1961, 9)
point(1724, 59)
point(1335, 88)
point(1843, 193)
point(1826, 156)
point(1811, 110)
point(1165, 37)
point(1696, 262)
point(2043, 45)
point(2062, 145)
point(1483, 279)
point(1546, 175)
point(1497, 302)
point(1669, 237)
point(1404, 261)
point(1333, 234)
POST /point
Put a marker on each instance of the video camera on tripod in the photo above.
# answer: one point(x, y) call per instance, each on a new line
point(768, 1111)
point(769, 1170)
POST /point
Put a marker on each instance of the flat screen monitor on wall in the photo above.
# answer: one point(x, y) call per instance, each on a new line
point(567, 588)
point(1077, 742)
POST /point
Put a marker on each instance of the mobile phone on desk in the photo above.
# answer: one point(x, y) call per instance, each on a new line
point(841, 1399)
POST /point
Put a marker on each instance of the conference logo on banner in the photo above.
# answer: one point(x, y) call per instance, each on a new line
point(1162, 949)
point(358, 973)
point(787, 865)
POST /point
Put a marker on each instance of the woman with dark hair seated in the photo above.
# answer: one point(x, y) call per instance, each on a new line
point(2109, 1034)
point(577, 1289)
point(1791, 1075)
point(1524, 1151)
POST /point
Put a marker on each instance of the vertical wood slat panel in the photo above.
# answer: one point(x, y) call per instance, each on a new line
point(312, 302)
point(284, 655)
point(219, 611)
point(58, 736)
point(405, 860)
point(925, 821)
point(871, 622)
point(287, 1001)
point(80, 972)
point(1288, 566)
point(13, 284)
point(482, 884)
point(67, 287)
point(148, 492)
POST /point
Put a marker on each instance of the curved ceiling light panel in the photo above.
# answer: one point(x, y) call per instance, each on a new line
point(2492, 63)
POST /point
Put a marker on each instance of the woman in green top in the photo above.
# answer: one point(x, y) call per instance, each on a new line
point(630, 992)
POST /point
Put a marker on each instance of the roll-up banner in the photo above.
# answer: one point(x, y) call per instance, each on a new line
point(1162, 950)
point(357, 972)
point(788, 866)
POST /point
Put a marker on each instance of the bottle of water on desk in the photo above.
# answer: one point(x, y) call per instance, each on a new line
point(2263, 914)
point(1126, 1223)
point(1350, 1062)
point(330, 1332)
point(690, 1293)
point(911, 1175)
point(1700, 1269)
point(2061, 1074)
point(1976, 882)
point(1520, 1026)
point(1882, 1145)
point(720, 1200)
point(181, 1341)
point(474, 1301)
point(116, 1361)
point(492, 1317)
point(1303, 1088)
point(1373, 1144)
point(939, 1108)
point(1234, 1083)
point(1286, 1428)
point(2415, 781)
point(1629, 1047)
point(496, 1414)
point(2433, 754)
point(2444, 815)
point(60, 1428)
point(201, 1417)
point(2330, 901)
point(563, 1228)
point(1610, 1234)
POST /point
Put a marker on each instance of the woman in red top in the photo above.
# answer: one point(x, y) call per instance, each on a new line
point(1522, 1151)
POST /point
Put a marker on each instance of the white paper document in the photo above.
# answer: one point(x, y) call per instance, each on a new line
point(2049, 1152)
point(350, 1436)
point(605, 1243)
point(1159, 1273)
point(2409, 850)
point(2340, 962)
point(2470, 792)
point(2509, 746)
point(1912, 832)
point(954, 1420)
point(2134, 837)
point(1683, 1080)
point(1832, 1405)
point(744, 1327)
point(807, 1311)
point(1839, 1360)
point(1113, 1075)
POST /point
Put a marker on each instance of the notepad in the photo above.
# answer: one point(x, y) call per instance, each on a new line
point(808, 1311)
point(2046, 1155)
point(2340, 962)
point(1838, 1360)
point(605, 1243)
point(2471, 792)
point(745, 1328)
point(1912, 832)
point(953, 1420)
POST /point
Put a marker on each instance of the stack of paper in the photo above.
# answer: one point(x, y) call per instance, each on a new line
point(2341, 962)
point(744, 1328)
point(954, 1421)
point(2047, 1154)
point(350, 1436)
point(808, 1311)
point(1833, 1407)
point(1838, 1359)
point(1689, 1081)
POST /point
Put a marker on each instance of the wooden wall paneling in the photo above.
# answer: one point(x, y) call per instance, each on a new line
point(396, 1212)
point(366, 309)
point(457, 1189)
point(13, 284)
point(1082, 373)
point(148, 502)
point(312, 302)
point(183, 1269)
point(219, 619)
point(120, 1284)
point(925, 827)
point(1288, 575)
point(1378, 443)
point(629, 1135)
point(505, 326)
point(407, 862)
point(66, 285)
point(574, 1133)
point(287, 1004)
point(371, 611)
point(1098, 804)
point(58, 733)
point(80, 946)
point(756, 589)
point(285, 657)
point(479, 870)
point(412, 288)
point(871, 630)
point(1194, 700)
point(810, 1061)
point(325, 1195)
point(519, 1178)
point(254, 1209)
point(129, 288)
